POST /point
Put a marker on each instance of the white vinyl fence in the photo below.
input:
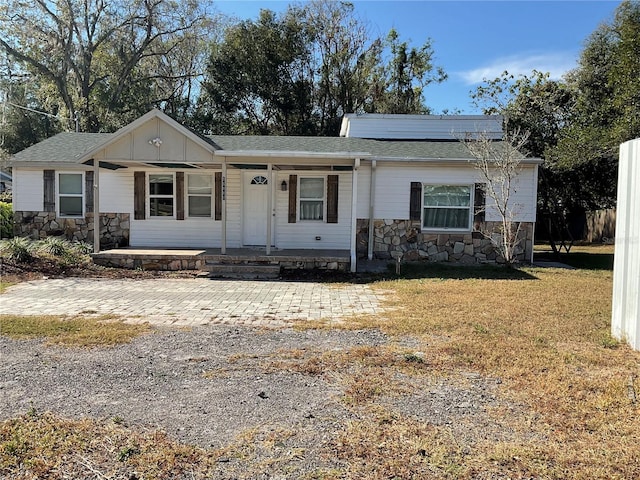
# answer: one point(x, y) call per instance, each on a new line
point(625, 318)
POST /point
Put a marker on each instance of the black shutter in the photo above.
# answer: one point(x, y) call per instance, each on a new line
point(139, 193)
point(415, 201)
point(293, 198)
point(88, 191)
point(179, 195)
point(332, 199)
point(49, 178)
point(217, 186)
point(479, 203)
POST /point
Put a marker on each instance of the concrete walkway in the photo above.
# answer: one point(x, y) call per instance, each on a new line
point(187, 302)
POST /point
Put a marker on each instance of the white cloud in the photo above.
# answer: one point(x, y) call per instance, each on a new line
point(557, 64)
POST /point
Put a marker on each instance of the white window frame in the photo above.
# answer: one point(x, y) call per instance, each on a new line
point(172, 196)
point(73, 195)
point(469, 226)
point(323, 199)
point(210, 195)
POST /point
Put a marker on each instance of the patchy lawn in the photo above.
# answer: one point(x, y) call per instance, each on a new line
point(547, 337)
point(71, 332)
point(541, 335)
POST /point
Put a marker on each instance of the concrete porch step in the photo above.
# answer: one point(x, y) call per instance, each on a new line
point(242, 270)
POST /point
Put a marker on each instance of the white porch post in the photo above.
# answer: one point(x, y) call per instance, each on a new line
point(372, 202)
point(223, 239)
point(354, 214)
point(269, 207)
point(96, 205)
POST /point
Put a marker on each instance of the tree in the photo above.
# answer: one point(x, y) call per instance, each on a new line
point(300, 72)
point(399, 83)
point(23, 120)
point(258, 78)
point(542, 107)
point(342, 59)
point(577, 123)
point(99, 59)
point(607, 109)
point(498, 165)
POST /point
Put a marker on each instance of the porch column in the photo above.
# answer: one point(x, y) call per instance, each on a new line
point(269, 207)
point(96, 205)
point(372, 202)
point(223, 233)
point(354, 214)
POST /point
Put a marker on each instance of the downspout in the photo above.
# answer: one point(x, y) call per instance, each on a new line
point(96, 206)
point(269, 208)
point(223, 239)
point(372, 201)
point(354, 204)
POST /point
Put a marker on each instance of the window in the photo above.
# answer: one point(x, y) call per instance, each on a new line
point(259, 180)
point(70, 197)
point(447, 207)
point(199, 191)
point(311, 198)
point(161, 195)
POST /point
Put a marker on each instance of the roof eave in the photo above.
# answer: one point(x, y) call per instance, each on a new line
point(525, 161)
point(292, 154)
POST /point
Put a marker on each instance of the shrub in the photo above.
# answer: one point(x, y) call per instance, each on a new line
point(18, 249)
point(6, 220)
point(56, 246)
point(83, 248)
point(64, 251)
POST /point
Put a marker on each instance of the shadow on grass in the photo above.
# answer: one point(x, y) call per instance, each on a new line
point(444, 271)
point(582, 260)
point(411, 271)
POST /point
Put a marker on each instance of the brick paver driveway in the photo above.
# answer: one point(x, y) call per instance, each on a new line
point(191, 301)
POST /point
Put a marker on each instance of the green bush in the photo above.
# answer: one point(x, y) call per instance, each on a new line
point(56, 246)
point(18, 249)
point(56, 249)
point(63, 251)
point(6, 220)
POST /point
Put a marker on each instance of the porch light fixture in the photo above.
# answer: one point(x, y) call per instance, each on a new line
point(156, 142)
point(283, 186)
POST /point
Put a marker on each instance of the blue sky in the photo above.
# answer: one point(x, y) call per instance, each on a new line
point(474, 40)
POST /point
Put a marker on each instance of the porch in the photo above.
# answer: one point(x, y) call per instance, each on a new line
point(236, 262)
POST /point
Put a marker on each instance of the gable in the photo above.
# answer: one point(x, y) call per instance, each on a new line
point(155, 137)
point(156, 141)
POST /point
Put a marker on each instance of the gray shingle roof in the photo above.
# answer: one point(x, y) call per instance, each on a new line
point(68, 147)
point(63, 147)
point(377, 148)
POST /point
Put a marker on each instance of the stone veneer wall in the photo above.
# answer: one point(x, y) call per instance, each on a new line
point(114, 227)
point(404, 238)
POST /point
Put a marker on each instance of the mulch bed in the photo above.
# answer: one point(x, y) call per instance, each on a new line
point(40, 268)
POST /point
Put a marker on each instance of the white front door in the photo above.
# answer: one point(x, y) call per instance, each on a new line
point(255, 206)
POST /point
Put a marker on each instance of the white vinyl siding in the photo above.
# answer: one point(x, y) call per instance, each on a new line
point(234, 208)
point(116, 191)
point(28, 186)
point(192, 232)
point(419, 127)
point(313, 234)
point(393, 183)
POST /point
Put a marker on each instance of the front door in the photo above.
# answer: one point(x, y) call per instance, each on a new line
point(255, 206)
